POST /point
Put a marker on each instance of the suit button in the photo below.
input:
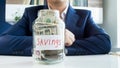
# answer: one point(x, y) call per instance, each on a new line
point(18, 52)
point(15, 52)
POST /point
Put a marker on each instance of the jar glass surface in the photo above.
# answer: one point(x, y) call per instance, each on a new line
point(48, 37)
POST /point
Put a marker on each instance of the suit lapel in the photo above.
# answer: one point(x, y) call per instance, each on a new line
point(71, 18)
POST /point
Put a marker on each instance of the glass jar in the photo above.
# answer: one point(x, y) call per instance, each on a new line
point(48, 37)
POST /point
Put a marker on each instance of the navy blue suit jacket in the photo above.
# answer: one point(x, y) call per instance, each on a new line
point(90, 38)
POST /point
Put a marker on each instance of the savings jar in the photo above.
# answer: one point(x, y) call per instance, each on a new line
point(48, 37)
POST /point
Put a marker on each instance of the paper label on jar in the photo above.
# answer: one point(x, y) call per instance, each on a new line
point(48, 42)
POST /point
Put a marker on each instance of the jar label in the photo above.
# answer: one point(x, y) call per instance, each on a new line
point(48, 42)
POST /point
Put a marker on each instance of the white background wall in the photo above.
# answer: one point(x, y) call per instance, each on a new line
point(118, 20)
point(110, 20)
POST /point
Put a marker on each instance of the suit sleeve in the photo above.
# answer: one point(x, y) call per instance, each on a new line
point(17, 40)
point(95, 41)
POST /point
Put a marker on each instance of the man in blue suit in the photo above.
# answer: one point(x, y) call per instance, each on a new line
point(83, 36)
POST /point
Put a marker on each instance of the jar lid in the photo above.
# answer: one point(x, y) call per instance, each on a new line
point(48, 12)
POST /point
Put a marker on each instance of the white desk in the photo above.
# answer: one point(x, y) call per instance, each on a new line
point(94, 61)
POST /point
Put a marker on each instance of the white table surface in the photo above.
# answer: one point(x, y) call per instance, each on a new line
point(90, 61)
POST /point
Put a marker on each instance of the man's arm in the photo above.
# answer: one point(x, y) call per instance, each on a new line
point(15, 45)
point(95, 41)
point(17, 40)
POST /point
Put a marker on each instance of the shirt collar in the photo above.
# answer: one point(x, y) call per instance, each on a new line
point(63, 14)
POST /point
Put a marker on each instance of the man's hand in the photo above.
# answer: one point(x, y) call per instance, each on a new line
point(69, 38)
